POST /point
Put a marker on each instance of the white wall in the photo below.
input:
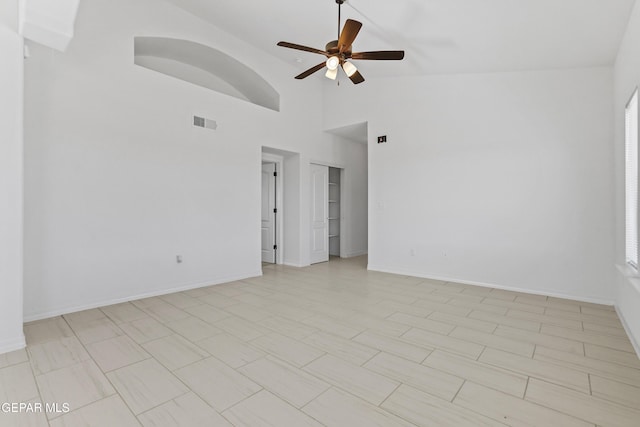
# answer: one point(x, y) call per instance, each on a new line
point(11, 190)
point(498, 179)
point(118, 182)
point(292, 210)
point(626, 78)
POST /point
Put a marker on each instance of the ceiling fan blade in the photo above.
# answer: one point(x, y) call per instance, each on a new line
point(357, 78)
point(310, 71)
point(304, 48)
point(380, 55)
point(349, 33)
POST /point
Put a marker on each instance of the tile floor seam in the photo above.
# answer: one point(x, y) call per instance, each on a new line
point(567, 413)
point(342, 390)
point(450, 332)
point(36, 383)
point(172, 373)
point(241, 373)
point(385, 399)
point(583, 369)
point(458, 392)
point(306, 364)
point(426, 357)
point(524, 394)
point(239, 401)
point(473, 410)
point(104, 374)
point(286, 399)
point(88, 404)
point(477, 359)
point(414, 386)
point(398, 355)
point(482, 353)
point(163, 403)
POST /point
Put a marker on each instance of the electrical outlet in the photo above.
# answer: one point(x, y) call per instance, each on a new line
point(178, 259)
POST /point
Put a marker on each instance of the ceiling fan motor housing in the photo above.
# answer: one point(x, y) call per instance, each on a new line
point(332, 46)
point(333, 49)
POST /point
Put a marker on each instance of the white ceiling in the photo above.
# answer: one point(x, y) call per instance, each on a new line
point(439, 36)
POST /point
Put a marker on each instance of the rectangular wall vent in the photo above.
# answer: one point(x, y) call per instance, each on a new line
point(203, 122)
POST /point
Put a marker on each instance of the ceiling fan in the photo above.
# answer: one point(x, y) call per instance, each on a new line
point(338, 52)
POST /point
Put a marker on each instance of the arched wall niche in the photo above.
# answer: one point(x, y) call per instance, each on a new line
point(205, 66)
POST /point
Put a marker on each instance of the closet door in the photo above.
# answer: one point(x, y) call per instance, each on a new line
point(268, 213)
point(319, 213)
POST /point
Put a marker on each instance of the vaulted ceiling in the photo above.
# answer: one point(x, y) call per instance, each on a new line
point(439, 36)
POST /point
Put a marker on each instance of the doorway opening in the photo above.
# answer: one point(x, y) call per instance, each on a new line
point(327, 218)
point(335, 212)
point(339, 225)
point(269, 213)
point(271, 230)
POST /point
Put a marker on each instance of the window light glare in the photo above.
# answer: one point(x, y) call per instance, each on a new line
point(631, 181)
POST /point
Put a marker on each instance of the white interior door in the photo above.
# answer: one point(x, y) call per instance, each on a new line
point(319, 213)
point(268, 214)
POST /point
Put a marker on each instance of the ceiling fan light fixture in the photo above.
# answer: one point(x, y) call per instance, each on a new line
point(349, 68)
point(331, 74)
point(332, 63)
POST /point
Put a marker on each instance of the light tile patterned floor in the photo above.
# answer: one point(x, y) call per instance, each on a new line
point(334, 345)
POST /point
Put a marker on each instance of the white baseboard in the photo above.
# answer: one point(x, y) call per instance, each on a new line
point(293, 264)
point(354, 254)
point(627, 329)
point(402, 272)
point(7, 346)
point(97, 304)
